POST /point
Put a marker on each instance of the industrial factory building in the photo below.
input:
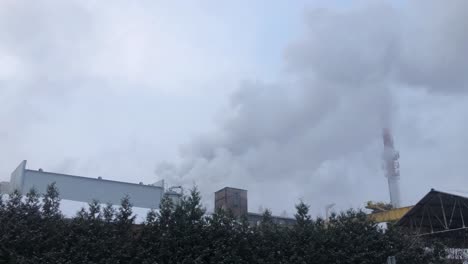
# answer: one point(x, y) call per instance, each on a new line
point(436, 214)
point(439, 214)
point(236, 201)
point(84, 189)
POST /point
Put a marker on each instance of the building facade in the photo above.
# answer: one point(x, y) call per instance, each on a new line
point(236, 201)
point(84, 189)
point(232, 199)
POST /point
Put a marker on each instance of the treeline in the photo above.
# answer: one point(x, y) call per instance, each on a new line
point(33, 230)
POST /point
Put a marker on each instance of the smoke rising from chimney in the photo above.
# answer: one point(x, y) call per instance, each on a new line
point(146, 76)
point(316, 131)
point(392, 168)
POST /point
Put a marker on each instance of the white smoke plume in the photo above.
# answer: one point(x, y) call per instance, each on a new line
point(316, 132)
point(96, 88)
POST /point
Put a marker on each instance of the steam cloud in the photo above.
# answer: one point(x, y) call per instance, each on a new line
point(315, 134)
point(80, 80)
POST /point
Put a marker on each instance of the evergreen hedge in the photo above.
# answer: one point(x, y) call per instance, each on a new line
point(33, 230)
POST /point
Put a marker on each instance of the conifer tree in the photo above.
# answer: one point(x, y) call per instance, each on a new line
point(301, 236)
point(32, 224)
point(165, 217)
point(123, 234)
point(10, 226)
point(3, 250)
point(222, 235)
point(108, 213)
point(13, 204)
point(147, 240)
point(32, 203)
point(165, 224)
point(20, 227)
point(124, 216)
point(51, 203)
point(410, 249)
point(80, 238)
point(109, 234)
point(270, 244)
point(53, 226)
point(302, 216)
point(94, 211)
point(2, 204)
point(189, 228)
point(246, 240)
point(35, 232)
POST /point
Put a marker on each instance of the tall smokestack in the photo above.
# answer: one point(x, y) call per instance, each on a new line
point(392, 168)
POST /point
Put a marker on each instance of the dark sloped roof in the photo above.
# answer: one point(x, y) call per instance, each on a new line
point(437, 212)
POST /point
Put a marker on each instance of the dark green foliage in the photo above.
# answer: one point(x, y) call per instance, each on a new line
point(188, 230)
point(166, 237)
point(123, 233)
point(108, 213)
point(270, 241)
point(33, 230)
point(303, 236)
point(412, 250)
point(147, 243)
point(302, 216)
point(225, 242)
point(51, 203)
point(124, 216)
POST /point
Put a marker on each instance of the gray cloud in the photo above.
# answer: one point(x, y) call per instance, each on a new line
point(103, 89)
point(316, 133)
point(100, 89)
point(434, 42)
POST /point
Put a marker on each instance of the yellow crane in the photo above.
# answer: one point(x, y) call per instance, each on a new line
point(384, 212)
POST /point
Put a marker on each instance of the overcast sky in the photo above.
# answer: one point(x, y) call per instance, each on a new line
point(284, 98)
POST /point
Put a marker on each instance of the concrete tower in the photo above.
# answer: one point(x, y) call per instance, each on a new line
point(232, 199)
point(392, 168)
